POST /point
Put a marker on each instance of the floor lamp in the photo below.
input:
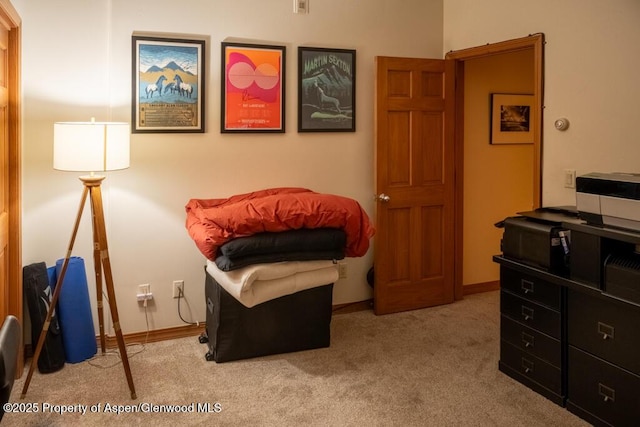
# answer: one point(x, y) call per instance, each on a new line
point(90, 147)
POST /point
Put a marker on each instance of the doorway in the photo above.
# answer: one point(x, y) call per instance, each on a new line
point(466, 60)
point(420, 116)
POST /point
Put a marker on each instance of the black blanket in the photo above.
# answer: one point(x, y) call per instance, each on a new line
point(290, 245)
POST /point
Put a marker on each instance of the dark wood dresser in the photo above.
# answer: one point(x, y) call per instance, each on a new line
point(574, 336)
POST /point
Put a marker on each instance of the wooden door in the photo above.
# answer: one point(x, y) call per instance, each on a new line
point(414, 160)
point(10, 167)
point(4, 176)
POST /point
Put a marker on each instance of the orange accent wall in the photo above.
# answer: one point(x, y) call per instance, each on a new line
point(498, 179)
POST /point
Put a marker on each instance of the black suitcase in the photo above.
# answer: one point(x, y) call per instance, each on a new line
point(37, 292)
point(295, 322)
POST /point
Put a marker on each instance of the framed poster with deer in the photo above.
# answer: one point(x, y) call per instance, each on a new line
point(326, 90)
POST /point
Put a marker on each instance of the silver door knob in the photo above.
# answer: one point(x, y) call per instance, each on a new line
point(383, 197)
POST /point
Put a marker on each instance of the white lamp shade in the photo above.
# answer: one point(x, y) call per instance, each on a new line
point(90, 146)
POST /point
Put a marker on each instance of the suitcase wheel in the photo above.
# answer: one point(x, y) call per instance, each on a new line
point(208, 356)
point(203, 338)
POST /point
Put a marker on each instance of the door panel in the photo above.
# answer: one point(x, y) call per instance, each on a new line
point(432, 237)
point(399, 266)
point(400, 152)
point(432, 149)
point(414, 167)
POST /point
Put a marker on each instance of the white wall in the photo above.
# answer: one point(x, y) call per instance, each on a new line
point(77, 65)
point(591, 77)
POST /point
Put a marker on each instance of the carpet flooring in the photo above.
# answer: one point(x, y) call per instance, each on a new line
point(430, 367)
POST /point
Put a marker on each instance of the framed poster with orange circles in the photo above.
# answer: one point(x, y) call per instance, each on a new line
point(253, 88)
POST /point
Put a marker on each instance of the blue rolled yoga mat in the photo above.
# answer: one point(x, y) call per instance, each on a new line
point(74, 312)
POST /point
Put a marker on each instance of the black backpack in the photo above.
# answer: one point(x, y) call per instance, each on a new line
point(37, 292)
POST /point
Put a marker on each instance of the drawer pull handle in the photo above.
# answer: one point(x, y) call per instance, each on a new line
point(606, 331)
point(526, 285)
point(527, 313)
point(528, 340)
point(527, 366)
point(608, 394)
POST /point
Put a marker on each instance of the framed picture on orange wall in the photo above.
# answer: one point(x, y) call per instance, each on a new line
point(511, 119)
point(253, 88)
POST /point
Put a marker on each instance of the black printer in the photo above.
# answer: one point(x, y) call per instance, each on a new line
point(537, 239)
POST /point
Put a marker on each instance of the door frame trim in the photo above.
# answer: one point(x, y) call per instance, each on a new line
point(11, 18)
point(535, 42)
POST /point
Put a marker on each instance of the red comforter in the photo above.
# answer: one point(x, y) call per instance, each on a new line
point(213, 222)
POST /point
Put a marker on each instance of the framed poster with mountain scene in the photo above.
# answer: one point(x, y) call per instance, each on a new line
point(167, 85)
point(326, 90)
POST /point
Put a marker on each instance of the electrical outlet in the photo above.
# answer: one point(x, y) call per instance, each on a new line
point(144, 292)
point(342, 270)
point(178, 288)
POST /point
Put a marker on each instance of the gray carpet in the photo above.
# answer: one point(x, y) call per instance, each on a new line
point(437, 366)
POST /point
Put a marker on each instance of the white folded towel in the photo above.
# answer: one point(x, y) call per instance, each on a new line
point(259, 283)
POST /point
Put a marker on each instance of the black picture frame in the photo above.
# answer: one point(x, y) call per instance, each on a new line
point(168, 84)
point(253, 88)
point(512, 118)
point(326, 89)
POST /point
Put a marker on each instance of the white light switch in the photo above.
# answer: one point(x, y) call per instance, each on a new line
point(300, 6)
point(569, 178)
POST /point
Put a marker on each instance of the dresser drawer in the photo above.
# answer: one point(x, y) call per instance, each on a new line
point(530, 287)
point(531, 367)
point(602, 390)
point(606, 329)
point(531, 314)
point(531, 341)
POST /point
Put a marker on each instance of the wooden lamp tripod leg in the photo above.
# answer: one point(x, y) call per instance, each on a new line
point(97, 266)
point(102, 263)
point(101, 245)
point(56, 295)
